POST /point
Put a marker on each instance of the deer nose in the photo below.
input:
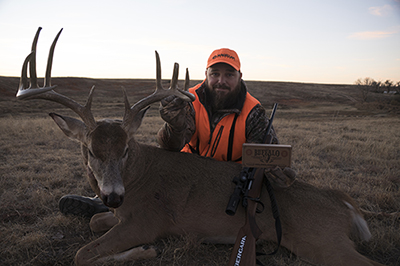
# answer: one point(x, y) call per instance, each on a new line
point(113, 200)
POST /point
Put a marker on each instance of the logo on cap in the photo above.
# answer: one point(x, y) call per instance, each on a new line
point(226, 56)
point(223, 55)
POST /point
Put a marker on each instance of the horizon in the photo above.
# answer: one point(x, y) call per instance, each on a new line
point(302, 42)
point(40, 79)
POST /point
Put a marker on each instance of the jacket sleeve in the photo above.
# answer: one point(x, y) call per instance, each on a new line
point(170, 139)
point(256, 126)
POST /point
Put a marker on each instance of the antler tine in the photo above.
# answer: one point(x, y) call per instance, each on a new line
point(47, 79)
point(32, 64)
point(126, 102)
point(158, 73)
point(46, 92)
point(187, 80)
point(23, 81)
point(175, 74)
point(185, 92)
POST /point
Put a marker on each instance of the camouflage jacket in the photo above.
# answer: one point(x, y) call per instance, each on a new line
point(256, 122)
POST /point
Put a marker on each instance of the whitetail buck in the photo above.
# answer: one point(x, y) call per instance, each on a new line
point(157, 193)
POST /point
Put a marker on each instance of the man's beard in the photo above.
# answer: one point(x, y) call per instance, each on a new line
point(220, 101)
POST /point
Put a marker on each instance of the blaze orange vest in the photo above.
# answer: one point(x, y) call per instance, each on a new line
point(225, 142)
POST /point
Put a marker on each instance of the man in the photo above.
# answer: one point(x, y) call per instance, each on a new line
point(222, 118)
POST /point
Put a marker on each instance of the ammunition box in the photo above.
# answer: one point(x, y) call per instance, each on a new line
point(266, 155)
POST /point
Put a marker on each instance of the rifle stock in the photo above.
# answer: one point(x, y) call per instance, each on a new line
point(244, 251)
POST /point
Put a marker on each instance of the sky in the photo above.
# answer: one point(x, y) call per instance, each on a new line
point(318, 41)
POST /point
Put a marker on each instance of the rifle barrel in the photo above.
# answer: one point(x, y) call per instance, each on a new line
point(270, 122)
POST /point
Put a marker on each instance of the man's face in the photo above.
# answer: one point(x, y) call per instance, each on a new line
point(223, 82)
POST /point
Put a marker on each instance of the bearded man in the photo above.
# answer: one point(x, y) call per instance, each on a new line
point(222, 118)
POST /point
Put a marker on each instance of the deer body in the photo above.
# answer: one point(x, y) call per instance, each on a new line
point(161, 200)
point(156, 193)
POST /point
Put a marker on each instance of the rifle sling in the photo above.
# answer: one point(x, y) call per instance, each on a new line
point(275, 213)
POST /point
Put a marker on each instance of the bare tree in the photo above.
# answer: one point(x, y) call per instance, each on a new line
point(388, 84)
point(365, 87)
point(396, 87)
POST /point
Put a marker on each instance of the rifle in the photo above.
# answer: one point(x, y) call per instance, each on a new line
point(249, 184)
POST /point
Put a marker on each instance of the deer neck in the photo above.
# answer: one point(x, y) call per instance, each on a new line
point(140, 161)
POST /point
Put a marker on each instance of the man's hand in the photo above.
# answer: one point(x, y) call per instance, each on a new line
point(172, 111)
point(280, 179)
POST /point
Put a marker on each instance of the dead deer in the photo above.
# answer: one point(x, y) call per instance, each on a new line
point(156, 193)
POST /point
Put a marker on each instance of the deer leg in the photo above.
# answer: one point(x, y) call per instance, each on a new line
point(139, 253)
point(103, 221)
point(115, 244)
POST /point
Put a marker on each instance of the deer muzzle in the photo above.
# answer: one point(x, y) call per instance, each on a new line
point(111, 190)
point(112, 200)
point(112, 193)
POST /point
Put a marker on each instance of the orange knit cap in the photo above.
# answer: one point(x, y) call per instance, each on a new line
point(224, 55)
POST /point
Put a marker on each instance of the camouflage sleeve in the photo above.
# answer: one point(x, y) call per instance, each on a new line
point(170, 139)
point(256, 126)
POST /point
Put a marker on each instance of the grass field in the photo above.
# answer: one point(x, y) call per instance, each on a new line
point(338, 140)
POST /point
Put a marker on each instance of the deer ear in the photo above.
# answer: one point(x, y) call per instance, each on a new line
point(137, 121)
point(73, 128)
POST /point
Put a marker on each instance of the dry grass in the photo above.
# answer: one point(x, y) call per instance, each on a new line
point(334, 144)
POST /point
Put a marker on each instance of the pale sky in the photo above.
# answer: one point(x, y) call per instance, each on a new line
point(320, 41)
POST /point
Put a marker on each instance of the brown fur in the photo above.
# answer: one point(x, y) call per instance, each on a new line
point(172, 193)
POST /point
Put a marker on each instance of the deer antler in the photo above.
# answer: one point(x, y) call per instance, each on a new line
point(159, 94)
point(33, 91)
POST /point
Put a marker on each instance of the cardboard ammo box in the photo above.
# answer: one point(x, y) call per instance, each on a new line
point(266, 155)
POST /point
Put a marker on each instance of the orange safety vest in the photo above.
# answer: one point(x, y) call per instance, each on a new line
point(225, 142)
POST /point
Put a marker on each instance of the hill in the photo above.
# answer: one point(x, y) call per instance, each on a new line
point(339, 100)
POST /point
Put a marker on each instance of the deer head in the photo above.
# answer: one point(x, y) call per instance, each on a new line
point(105, 144)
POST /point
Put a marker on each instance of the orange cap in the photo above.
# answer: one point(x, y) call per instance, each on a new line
point(224, 55)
